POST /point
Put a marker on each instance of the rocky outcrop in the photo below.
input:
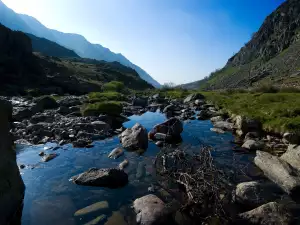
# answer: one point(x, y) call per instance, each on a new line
point(135, 138)
point(280, 172)
point(269, 214)
point(150, 210)
point(11, 185)
point(111, 178)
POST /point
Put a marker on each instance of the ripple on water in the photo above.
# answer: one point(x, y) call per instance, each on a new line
point(51, 198)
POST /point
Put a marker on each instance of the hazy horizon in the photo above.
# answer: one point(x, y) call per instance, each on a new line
point(173, 40)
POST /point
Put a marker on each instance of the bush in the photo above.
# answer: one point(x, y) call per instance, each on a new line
point(114, 86)
point(109, 108)
point(105, 96)
point(265, 89)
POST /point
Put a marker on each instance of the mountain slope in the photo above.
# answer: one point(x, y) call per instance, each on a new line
point(22, 71)
point(50, 48)
point(271, 57)
point(74, 42)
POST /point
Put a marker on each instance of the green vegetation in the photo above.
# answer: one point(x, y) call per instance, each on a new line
point(114, 86)
point(279, 112)
point(106, 96)
point(109, 107)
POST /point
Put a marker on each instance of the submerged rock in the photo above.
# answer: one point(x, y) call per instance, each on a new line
point(97, 220)
point(116, 219)
point(92, 208)
point(116, 153)
point(123, 164)
point(280, 172)
point(135, 138)
point(111, 178)
point(269, 214)
point(150, 210)
point(47, 158)
point(141, 170)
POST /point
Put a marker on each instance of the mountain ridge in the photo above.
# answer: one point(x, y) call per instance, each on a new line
point(75, 42)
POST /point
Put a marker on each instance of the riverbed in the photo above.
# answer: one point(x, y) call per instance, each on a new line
point(51, 198)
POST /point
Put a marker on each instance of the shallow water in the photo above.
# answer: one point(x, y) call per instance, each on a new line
point(51, 198)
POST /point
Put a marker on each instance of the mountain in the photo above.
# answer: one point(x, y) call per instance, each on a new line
point(50, 48)
point(75, 42)
point(22, 71)
point(271, 57)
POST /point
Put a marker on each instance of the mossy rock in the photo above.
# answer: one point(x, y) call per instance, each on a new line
point(109, 108)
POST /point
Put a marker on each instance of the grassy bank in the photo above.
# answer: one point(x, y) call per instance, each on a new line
point(278, 112)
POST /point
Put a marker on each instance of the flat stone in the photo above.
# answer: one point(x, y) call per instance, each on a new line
point(111, 178)
point(269, 214)
point(92, 208)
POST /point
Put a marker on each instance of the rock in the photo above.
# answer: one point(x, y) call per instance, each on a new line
point(123, 164)
point(160, 143)
point(169, 108)
point(46, 102)
point(162, 137)
point(97, 220)
point(140, 171)
point(143, 102)
point(135, 138)
point(172, 127)
point(100, 125)
point(116, 219)
point(247, 125)
point(252, 135)
point(193, 97)
point(254, 194)
point(69, 101)
point(92, 208)
point(216, 119)
point(80, 143)
point(63, 110)
point(280, 172)
point(223, 125)
point(199, 102)
point(111, 178)
point(11, 184)
point(150, 210)
point(62, 142)
point(292, 156)
point(22, 166)
point(20, 113)
point(253, 145)
point(291, 138)
point(269, 214)
point(217, 130)
point(116, 153)
point(47, 158)
point(41, 153)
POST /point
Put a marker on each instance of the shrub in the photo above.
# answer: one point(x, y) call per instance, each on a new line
point(114, 86)
point(266, 89)
point(105, 96)
point(109, 108)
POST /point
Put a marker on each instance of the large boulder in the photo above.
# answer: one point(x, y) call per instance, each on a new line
point(193, 98)
point(247, 125)
point(45, 102)
point(135, 138)
point(11, 185)
point(150, 210)
point(172, 127)
point(269, 214)
point(111, 178)
point(253, 145)
point(292, 156)
point(254, 194)
point(291, 138)
point(280, 172)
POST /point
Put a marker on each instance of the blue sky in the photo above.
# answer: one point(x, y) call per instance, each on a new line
point(173, 40)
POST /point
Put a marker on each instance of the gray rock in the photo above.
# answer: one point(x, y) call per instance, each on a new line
point(254, 194)
point(216, 119)
point(111, 178)
point(162, 137)
point(247, 125)
point(217, 130)
point(280, 172)
point(253, 145)
point(291, 138)
point(80, 143)
point(269, 214)
point(193, 97)
point(11, 184)
point(116, 153)
point(160, 143)
point(169, 108)
point(47, 158)
point(135, 138)
point(292, 156)
point(172, 127)
point(46, 102)
point(252, 135)
point(69, 101)
point(223, 125)
point(150, 210)
point(123, 164)
point(100, 125)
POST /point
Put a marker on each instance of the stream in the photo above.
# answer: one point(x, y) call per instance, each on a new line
point(50, 197)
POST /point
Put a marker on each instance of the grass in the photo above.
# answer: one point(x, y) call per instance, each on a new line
point(279, 112)
point(109, 107)
point(114, 86)
point(105, 96)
